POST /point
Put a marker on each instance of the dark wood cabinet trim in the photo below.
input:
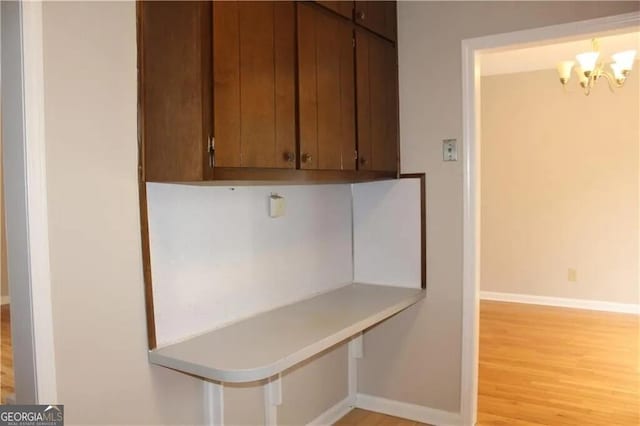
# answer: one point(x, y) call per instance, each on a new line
point(208, 92)
point(397, 117)
point(258, 176)
point(249, 176)
point(296, 84)
point(146, 266)
point(423, 223)
point(142, 194)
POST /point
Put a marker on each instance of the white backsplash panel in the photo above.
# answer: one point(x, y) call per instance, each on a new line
point(217, 256)
point(387, 231)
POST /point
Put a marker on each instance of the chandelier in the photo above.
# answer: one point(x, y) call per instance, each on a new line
point(589, 71)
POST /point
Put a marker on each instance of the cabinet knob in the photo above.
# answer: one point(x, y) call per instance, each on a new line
point(363, 161)
point(306, 158)
point(361, 15)
point(289, 157)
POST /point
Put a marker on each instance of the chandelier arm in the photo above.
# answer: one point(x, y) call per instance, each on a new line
point(612, 82)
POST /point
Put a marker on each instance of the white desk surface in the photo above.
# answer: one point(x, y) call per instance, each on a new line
point(269, 343)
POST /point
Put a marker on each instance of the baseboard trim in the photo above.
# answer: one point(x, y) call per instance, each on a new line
point(405, 410)
point(5, 300)
point(594, 305)
point(333, 414)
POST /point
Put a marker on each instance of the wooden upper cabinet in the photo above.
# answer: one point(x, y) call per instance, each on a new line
point(254, 84)
point(326, 90)
point(344, 8)
point(376, 65)
point(175, 88)
point(265, 91)
point(378, 16)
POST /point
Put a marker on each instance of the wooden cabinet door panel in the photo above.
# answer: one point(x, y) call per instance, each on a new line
point(376, 66)
point(378, 16)
point(344, 8)
point(175, 88)
point(254, 84)
point(326, 90)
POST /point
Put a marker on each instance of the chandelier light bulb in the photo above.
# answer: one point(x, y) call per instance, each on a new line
point(618, 72)
point(625, 59)
point(588, 61)
point(582, 78)
point(564, 70)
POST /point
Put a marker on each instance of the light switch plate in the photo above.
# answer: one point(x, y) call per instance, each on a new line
point(449, 150)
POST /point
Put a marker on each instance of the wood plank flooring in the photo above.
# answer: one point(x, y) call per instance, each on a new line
point(358, 417)
point(553, 366)
point(6, 355)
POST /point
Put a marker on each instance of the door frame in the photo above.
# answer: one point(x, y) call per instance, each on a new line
point(28, 241)
point(472, 50)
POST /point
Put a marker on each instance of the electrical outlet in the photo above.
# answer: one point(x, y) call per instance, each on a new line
point(449, 150)
point(572, 275)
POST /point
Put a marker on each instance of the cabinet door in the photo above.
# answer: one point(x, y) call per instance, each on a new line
point(378, 16)
point(175, 88)
point(254, 84)
point(376, 65)
point(326, 90)
point(344, 8)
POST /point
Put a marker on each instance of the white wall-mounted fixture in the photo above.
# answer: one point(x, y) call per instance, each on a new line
point(277, 205)
point(589, 70)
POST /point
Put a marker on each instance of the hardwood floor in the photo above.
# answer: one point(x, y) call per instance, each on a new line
point(555, 366)
point(6, 355)
point(358, 417)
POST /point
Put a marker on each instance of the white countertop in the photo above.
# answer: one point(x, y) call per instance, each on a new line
point(269, 343)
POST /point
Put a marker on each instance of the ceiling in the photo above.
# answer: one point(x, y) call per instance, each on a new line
point(547, 56)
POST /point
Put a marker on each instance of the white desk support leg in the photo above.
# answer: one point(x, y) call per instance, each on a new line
point(356, 350)
point(272, 398)
point(213, 404)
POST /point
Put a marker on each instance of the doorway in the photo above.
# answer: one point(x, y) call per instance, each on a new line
point(473, 49)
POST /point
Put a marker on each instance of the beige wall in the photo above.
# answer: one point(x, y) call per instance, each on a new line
point(103, 375)
point(415, 357)
point(96, 268)
point(560, 188)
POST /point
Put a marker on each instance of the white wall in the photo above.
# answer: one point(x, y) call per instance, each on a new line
point(217, 256)
point(560, 188)
point(416, 356)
